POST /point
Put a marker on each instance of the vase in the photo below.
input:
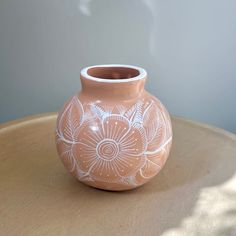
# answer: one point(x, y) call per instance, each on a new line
point(113, 134)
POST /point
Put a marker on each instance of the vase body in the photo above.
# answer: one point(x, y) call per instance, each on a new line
point(113, 134)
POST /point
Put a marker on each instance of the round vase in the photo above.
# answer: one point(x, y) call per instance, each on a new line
point(113, 134)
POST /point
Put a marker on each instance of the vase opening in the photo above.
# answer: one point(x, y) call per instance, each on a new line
point(113, 73)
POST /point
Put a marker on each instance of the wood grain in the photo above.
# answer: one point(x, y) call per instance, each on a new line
point(195, 193)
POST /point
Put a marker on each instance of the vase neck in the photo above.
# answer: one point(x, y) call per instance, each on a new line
point(113, 82)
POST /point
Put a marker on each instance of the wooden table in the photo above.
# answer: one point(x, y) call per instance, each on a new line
point(195, 193)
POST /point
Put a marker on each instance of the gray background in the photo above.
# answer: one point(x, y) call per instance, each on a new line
point(188, 48)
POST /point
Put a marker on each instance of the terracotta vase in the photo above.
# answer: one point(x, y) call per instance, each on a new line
point(113, 134)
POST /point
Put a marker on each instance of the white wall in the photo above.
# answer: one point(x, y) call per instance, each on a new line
point(188, 48)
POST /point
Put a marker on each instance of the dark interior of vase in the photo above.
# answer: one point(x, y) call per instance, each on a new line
point(113, 72)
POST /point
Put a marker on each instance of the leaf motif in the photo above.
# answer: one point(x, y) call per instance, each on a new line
point(155, 127)
point(66, 155)
point(150, 169)
point(120, 109)
point(70, 119)
point(167, 120)
point(134, 114)
point(99, 112)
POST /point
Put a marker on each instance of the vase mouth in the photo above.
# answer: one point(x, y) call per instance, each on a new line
point(114, 73)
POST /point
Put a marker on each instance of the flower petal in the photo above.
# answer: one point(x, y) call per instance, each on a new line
point(154, 163)
point(157, 158)
point(115, 127)
point(116, 169)
point(126, 165)
point(150, 169)
point(133, 143)
point(66, 155)
point(90, 132)
point(105, 171)
point(85, 156)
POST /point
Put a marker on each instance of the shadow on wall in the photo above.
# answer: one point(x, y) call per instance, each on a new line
point(187, 48)
point(120, 35)
point(182, 52)
point(44, 46)
point(121, 14)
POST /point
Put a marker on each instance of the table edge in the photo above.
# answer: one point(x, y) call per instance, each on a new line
point(51, 115)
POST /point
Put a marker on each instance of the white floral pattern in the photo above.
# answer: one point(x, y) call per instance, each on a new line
point(113, 144)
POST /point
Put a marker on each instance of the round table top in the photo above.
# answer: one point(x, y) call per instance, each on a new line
point(194, 194)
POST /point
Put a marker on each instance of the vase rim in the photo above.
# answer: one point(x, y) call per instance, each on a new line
point(142, 74)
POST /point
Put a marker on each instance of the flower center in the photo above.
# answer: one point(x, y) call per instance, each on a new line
point(107, 149)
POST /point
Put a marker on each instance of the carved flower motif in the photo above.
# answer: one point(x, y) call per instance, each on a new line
point(114, 146)
point(110, 148)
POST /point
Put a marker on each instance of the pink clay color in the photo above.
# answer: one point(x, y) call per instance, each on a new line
point(113, 134)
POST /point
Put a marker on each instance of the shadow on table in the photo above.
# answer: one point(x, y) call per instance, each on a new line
point(193, 194)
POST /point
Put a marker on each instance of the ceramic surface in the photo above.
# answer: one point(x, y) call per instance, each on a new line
point(113, 134)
